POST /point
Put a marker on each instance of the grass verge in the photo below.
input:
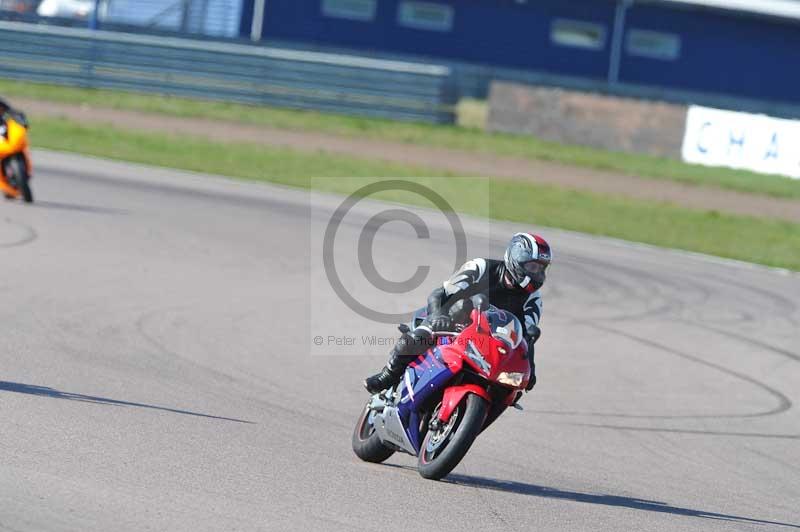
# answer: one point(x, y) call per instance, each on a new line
point(769, 242)
point(470, 139)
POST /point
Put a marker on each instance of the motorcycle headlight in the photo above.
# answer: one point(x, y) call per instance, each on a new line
point(511, 379)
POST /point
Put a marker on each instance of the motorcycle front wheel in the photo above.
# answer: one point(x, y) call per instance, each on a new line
point(21, 177)
point(24, 186)
point(443, 448)
point(366, 443)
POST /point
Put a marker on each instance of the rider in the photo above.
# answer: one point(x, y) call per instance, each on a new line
point(18, 116)
point(511, 284)
point(4, 108)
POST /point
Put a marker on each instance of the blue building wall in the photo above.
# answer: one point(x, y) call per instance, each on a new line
point(484, 31)
point(720, 52)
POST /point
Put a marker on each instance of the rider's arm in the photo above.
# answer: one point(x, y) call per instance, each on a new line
point(532, 309)
point(533, 313)
point(532, 380)
point(19, 117)
point(436, 301)
point(460, 285)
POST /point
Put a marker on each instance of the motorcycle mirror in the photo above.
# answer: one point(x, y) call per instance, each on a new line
point(476, 318)
point(480, 302)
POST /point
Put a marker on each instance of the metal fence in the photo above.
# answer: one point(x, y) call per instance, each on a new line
point(474, 80)
point(224, 71)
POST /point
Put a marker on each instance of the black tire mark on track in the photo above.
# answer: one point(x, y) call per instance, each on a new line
point(784, 403)
point(74, 207)
point(775, 459)
point(610, 293)
point(693, 431)
point(30, 235)
point(787, 308)
point(650, 283)
point(748, 340)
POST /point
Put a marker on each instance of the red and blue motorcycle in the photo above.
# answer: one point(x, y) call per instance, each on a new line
point(448, 396)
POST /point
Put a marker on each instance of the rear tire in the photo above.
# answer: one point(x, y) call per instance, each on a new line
point(437, 459)
point(366, 443)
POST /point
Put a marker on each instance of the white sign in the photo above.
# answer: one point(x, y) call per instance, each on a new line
point(759, 143)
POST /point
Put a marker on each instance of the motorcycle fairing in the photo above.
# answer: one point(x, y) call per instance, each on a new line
point(390, 429)
point(422, 378)
point(454, 395)
point(14, 141)
point(13, 144)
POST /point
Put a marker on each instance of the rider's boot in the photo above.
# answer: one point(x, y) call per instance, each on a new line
point(388, 376)
point(409, 347)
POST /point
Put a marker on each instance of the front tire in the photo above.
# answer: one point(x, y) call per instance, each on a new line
point(443, 449)
point(21, 177)
point(366, 443)
point(27, 193)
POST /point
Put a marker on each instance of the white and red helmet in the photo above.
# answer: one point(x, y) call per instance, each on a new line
point(527, 258)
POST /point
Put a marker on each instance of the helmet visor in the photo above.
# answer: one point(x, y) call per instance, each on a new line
point(535, 268)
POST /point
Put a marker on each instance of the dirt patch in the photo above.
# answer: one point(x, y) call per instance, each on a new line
point(461, 162)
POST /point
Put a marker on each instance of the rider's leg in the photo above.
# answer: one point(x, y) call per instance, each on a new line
point(408, 347)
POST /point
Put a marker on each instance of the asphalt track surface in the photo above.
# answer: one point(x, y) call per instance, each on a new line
point(159, 373)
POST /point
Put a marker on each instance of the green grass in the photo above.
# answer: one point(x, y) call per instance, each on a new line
point(471, 139)
point(773, 243)
point(278, 165)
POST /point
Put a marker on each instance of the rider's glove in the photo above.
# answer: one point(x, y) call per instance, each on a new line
point(534, 332)
point(441, 322)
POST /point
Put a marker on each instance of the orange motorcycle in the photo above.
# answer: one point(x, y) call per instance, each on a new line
point(15, 162)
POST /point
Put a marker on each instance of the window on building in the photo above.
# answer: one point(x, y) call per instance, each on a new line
point(578, 34)
point(653, 44)
point(363, 10)
point(425, 16)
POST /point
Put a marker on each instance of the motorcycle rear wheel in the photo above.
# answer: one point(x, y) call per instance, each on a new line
point(443, 449)
point(366, 443)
